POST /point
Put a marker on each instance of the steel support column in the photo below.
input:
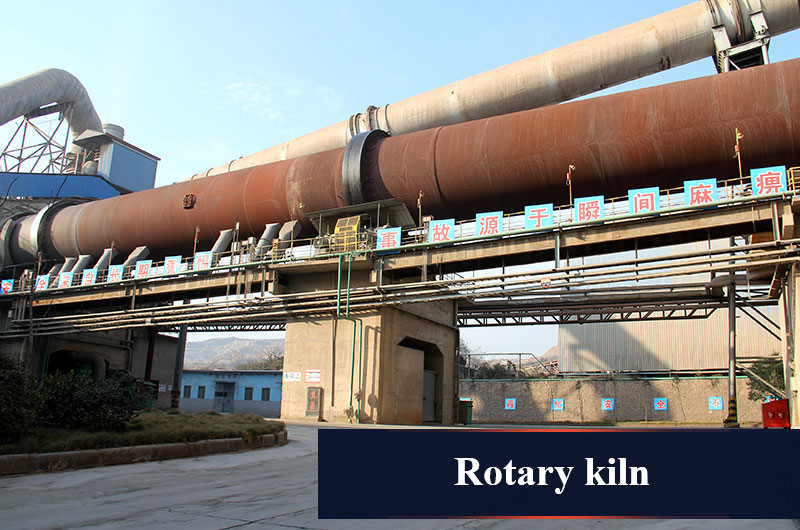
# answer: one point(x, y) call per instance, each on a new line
point(789, 322)
point(733, 417)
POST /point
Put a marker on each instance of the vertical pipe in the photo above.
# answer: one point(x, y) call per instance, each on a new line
point(558, 250)
point(789, 296)
point(360, 363)
point(339, 287)
point(352, 366)
point(732, 419)
point(347, 303)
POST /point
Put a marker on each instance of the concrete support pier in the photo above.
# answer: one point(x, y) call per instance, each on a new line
point(395, 365)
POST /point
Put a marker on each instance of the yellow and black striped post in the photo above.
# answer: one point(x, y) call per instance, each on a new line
point(733, 418)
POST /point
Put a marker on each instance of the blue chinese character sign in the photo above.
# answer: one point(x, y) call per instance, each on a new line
point(539, 216)
point(202, 260)
point(440, 231)
point(65, 280)
point(89, 277)
point(715, 403)
point(607, 404)
point(6, 286)
point(488, 224)
point(660, 404)
point(588, 209)
point(511, 403)
point(388, 238)
point(143, 268)
point(768, 180)
point(115, 273)
point(700, 191)
point(558, 403)
point(643, 200)
point(42, 282)
point(172, 264)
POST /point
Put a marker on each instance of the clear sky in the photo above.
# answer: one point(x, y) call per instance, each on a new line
point(200, 83)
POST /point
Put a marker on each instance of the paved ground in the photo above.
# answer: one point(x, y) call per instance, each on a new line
point(268, 488)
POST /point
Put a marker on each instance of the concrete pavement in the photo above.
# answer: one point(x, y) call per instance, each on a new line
point(269, 488)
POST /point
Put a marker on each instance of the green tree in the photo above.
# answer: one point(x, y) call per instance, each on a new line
point(271, 361)
point(496, 370)
point(771, 371)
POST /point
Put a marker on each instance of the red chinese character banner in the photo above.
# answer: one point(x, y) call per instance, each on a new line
point(768, 180)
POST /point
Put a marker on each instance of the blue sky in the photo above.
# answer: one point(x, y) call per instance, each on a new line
point(201, 83)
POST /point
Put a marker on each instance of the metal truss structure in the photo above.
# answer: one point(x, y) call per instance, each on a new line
point(32, 149)
point(632, 289)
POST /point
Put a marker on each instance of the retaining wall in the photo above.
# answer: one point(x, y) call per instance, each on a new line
point(687, 400)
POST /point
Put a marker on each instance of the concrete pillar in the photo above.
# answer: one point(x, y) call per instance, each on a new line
point(175, 401)
point(371, 368)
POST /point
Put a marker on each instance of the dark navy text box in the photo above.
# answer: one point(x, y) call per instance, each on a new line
point(381, 473)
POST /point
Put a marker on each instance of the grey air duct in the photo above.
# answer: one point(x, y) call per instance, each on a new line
point(25, 95)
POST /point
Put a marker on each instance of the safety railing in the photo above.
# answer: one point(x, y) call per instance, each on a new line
point(240, 256)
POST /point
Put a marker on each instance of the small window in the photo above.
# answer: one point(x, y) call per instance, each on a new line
point(187, 391)
point(265, 394)
point(201, 392)
point(248, 393)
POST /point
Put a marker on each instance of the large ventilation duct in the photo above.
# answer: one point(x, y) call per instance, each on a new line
point(678, 37)
point(52, 85)
point(656, 136)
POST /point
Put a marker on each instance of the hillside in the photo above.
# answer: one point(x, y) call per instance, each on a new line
point(229, 352)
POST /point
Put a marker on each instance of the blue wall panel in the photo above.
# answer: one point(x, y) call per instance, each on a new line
point(38, 185)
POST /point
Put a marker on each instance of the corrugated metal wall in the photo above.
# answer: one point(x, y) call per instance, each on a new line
point(662, 344)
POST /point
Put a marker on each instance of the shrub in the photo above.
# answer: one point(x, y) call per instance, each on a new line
point(76, 400)
point(17, 400)
point(62, 400)
point(113, 402)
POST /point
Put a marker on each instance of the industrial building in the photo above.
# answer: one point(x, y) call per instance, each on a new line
point(250, 391)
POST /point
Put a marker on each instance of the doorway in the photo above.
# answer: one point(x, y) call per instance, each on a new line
point(429, 396)
point(223, 397)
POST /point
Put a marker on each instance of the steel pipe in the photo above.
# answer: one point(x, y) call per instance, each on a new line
point(368, 300)
point(656, 136)
point(657, 43)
